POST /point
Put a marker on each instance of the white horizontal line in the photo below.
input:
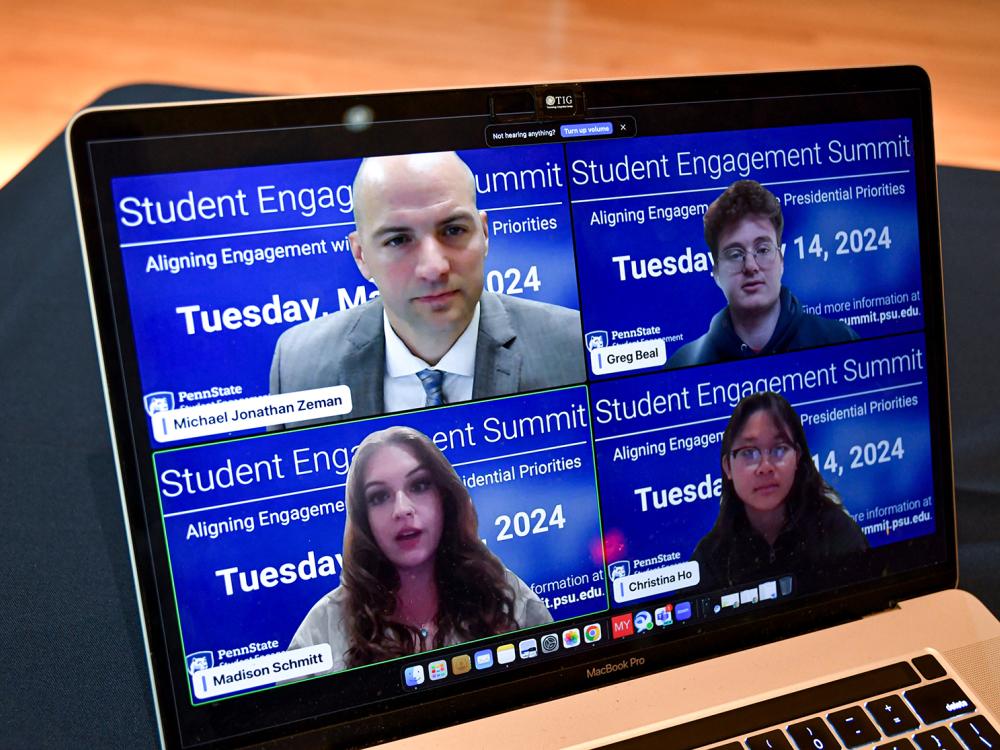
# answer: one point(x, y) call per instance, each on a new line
point(237, 234)
point(859, 393)
point(529, 205)
point(252, 500)
point(295, 229)
point(716, 188)
point(658, 429)
point(522, 453)
point(335, 486)
point(726, 417)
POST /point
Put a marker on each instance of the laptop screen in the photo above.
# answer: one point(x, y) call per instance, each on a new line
point(417, 395)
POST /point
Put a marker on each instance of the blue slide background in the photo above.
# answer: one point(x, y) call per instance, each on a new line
point(211, 619)
point(519, 186)
point(684, 303)
point(511, 182)
point(864, 489)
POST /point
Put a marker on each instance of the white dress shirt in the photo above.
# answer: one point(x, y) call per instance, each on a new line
point(402, 388)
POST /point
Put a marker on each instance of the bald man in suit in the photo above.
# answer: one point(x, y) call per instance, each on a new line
point(432, 336)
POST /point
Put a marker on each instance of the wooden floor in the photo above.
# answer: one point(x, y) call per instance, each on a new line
point(57, 55)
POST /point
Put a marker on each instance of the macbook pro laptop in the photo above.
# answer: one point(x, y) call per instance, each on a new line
point(605, 414)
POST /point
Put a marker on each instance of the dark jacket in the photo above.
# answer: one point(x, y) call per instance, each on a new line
point(820, 544)
point(795, 330)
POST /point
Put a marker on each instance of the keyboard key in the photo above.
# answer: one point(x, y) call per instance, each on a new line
point(977, 733)
point(939, 701)
point(898, 744)
point(854, 727)
point(929, 667)
point(814, 734)
point(729, 746)
point(757, 717)
point(892, 715)
point(939, 738)
point(773, 740)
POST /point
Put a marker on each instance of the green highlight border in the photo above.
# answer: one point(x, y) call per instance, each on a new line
point(422, 654)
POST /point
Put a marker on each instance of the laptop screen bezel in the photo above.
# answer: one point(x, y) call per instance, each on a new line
point(226, 724)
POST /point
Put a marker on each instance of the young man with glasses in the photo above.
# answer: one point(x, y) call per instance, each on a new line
point(743, 231)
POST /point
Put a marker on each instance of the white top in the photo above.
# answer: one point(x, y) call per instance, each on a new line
point(325, 621)
point(402, 388)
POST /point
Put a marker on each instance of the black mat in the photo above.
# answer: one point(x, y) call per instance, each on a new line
point(73, 662)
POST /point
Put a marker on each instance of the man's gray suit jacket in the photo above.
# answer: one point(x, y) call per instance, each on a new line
point(523, 346)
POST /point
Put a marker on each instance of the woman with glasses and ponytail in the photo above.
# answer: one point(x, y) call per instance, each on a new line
point(777, 515)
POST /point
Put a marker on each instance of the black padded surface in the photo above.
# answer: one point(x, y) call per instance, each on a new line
point(73, 659)
point(969, 225)
point(73, 663)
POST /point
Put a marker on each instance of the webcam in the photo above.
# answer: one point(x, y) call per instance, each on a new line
point(559, 102)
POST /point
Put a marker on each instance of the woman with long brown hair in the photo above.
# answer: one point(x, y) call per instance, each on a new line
point(416, 574)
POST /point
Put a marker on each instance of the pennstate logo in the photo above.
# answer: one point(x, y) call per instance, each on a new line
point(619, 569)
point(200, 660)
point(597, 340)
point(157, 402)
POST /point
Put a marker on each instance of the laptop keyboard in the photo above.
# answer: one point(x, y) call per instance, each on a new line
point(902, 706)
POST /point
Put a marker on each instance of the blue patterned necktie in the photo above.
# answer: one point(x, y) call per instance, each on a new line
point(431, 381)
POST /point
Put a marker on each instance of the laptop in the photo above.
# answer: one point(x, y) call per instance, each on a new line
point(601, 414)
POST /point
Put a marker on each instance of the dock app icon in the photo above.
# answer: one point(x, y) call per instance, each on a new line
point(414, 675)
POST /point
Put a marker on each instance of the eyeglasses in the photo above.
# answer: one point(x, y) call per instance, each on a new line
point(735, 258)
point(751, 456)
